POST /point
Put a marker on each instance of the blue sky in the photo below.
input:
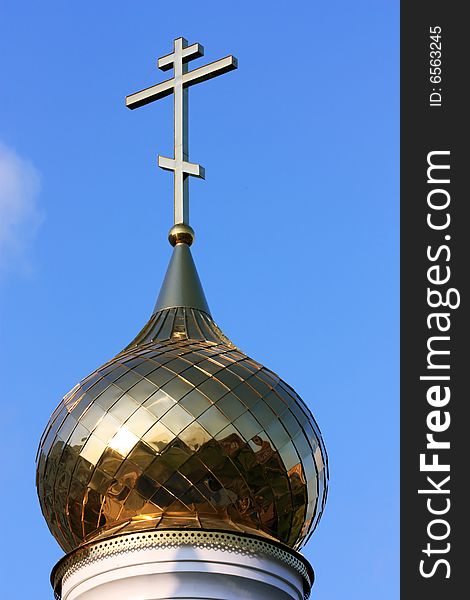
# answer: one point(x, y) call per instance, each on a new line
point(296, 224)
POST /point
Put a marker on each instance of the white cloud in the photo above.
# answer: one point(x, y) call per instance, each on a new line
point(20, 216)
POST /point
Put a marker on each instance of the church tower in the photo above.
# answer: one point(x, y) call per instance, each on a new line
point(182, 468)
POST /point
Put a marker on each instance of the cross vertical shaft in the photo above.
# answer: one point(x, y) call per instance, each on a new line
point(181, 149)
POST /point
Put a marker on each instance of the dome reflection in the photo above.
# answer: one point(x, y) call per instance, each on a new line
point(181, 430)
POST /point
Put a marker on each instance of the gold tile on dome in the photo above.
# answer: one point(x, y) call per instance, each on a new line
point(191, 356)
point(247, 425)
point(213, 420)
point(263, 413)
point(67, 399)
point(275, 402)
point(289, 456)
point(127, 380)
point(116, 372)
point(277, 433)
point(160, 376)
point(231, 406)
point(194, 436)
point(123, 408)
point(194, 499)
point(146, 486)
point(123, 441)
point(159, 403)
point(158, 437)
point(142, 390)
point(93, 449)
point(311, 435)
point(193, 469)
point(210, 366)
point(51, 429)
point(109, 397)
point(223, 358)
point(176, 454)
point(79, 436)
point(211, 456)
point(99, 386)
point(176, 419)
point(140, 422)
point(79, 408)
point(270, 378)
point(301, 445)
point(65, 429)
point(178, 521)
point(311, 477)
point(60, 496)
point(213, 389)
point(177, 388)
point(76, 491)
point(107, 427)
point(177, 365)
point(243, 371)
point(259, 385)
point(134, 503)
point(141, 366)
point(110, 461)
point(128, 473)
point(300, 414)
point(161, 469)
point(91, 417)
point(162, 498)
point(193, 375)
point(319, 459)
point(177, 484)
point(229, 379)
point(246, 394)
point(142, 455)
point(195, 402)
point(290, 423)
point(100, 481)
point(89, 381)
point(229, 437)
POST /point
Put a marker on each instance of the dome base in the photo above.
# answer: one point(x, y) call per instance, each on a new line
point(183, 564)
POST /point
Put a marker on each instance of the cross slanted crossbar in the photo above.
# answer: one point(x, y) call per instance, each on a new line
point(178, 86)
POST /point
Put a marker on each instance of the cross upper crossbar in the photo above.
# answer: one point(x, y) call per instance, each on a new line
point(161, 90)
point(178, 86)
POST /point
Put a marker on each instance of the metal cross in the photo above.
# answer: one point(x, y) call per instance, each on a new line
point(178, 85)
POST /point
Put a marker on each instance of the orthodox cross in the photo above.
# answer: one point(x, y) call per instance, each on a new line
point(178, 86)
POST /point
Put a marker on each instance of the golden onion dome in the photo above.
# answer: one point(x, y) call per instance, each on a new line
point(181, 430)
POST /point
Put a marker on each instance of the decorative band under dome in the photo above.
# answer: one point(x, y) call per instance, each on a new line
point(246, 545)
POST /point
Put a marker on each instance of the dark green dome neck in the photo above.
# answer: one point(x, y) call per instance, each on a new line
point(182, 286)
point(181, 311)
